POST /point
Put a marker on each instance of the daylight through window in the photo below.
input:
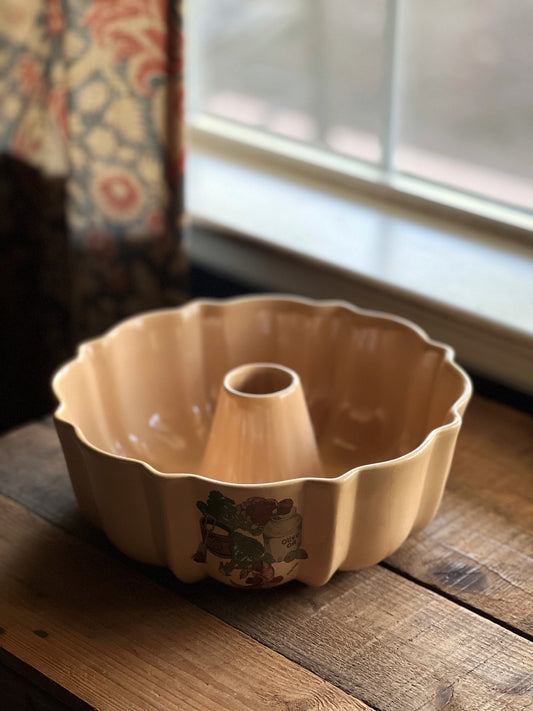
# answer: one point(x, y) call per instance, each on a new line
point(440, 91)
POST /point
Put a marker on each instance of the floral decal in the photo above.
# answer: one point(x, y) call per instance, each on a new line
point(257, 543)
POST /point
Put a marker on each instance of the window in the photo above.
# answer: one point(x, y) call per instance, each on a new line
point(376, 152)
point(411, 94)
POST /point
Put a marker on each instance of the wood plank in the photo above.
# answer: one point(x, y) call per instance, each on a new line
point(384, 639)
point(388, 641)
point(119, 641)
point(33, 472)
point(479, 548)
point(18, 694)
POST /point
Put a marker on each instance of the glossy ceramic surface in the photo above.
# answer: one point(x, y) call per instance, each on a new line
point(261, 431)
point(137, 409)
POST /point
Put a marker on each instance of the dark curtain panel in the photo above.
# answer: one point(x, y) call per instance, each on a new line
point(91, 173)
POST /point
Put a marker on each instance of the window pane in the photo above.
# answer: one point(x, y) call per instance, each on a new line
point(257, 67)
point(307, 69)
point(353, 56)
point(467, 98)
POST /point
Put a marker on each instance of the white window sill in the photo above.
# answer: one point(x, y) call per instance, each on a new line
point(466, 287)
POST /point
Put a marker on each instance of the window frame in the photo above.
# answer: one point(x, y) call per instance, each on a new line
point(229, 243)
point(434, 199)
point(381, 179)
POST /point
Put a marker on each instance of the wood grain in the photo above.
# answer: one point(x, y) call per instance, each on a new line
point(388, 641)
point(119, 641)
point(33, 472)
point(479, 548)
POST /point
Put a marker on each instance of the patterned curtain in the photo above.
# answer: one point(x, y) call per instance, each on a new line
point(91, 167)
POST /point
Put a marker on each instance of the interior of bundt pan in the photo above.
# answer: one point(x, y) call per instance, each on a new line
point(148, 389)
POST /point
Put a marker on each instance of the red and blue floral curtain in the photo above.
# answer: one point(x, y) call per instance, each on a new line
point(91, 166)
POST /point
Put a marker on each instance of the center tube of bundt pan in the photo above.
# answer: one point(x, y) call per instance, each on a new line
point(261, 430)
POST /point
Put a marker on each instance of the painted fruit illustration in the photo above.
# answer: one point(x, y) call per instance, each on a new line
point(257, 542)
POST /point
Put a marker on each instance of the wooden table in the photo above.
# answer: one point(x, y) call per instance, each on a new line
point(446, 622)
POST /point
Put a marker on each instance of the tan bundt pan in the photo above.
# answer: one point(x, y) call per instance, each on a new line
point(326, 450)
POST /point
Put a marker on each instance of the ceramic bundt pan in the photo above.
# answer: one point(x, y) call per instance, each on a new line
point(135, 413)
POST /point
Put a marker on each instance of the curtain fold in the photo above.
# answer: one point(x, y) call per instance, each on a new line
point(91, 171)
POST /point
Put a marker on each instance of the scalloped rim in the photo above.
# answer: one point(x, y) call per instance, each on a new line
point(449, 356)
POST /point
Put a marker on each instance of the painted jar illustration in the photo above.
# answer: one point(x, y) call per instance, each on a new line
point(216, 538)
point(283, 534)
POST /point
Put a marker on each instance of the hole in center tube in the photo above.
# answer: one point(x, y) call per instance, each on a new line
point(259, 379)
